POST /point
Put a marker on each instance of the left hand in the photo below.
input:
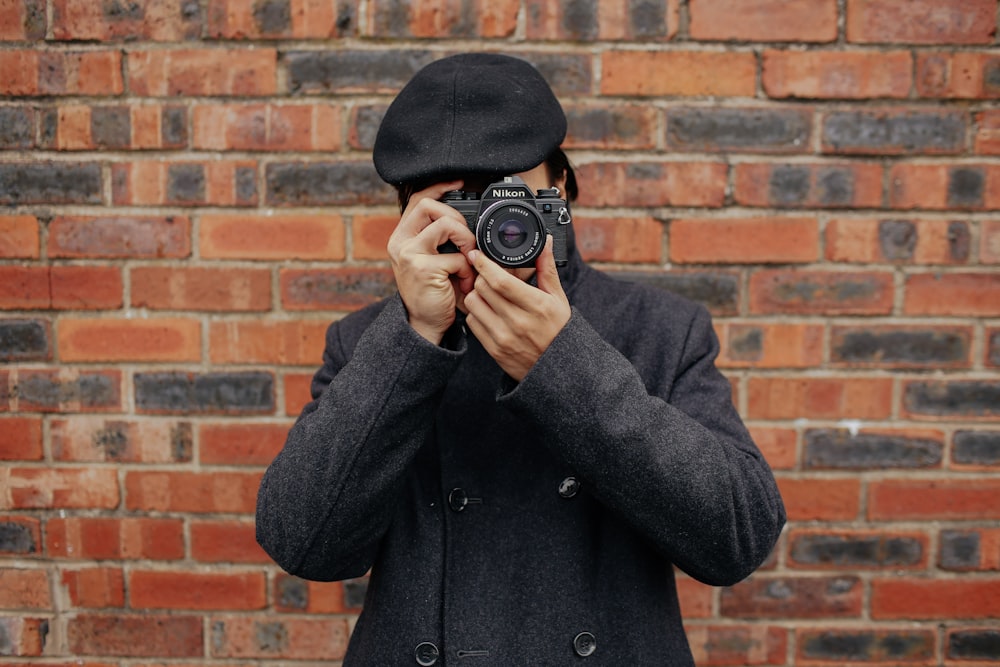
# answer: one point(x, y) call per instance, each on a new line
point(516, 322)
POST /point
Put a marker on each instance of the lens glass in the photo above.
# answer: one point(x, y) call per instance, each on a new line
point(511, 233)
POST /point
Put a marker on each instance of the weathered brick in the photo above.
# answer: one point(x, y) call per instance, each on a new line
point(20, 536)
point(345, 71)
point(277, 19)
point(650, 184)
point(921, 21)
point(247, 392)
point(987, 132)
point(743, 130)
point(95, 587)
point(192, 493)
point(133, 635)
point(811, 499)
point(744, 240)
point(119, 236)
point(23, 636)
point(942, 186)
point(36, 73)
point(50, 183)
point(680, 73)
point(201, 288)
point(196, 590)
point(746, 645)
point(960, 550)
point(149, 20)
point(632, 239)
point(958, 75)
point(19, 237)
point(452, 19)
point(958, 398)
point(795, 597)
point(22, 21)
point(118, 340)
point(857, 550)
point(22, 439)
point(66, 390)
point(867, 646)
point(901, 346)
point(229, 444)
point(364, 123)
point(106, 538)
point(17, 127)
point(325, 184)
point(285, 343)
point(770, 345)
point(25, 340)
point(120, 440)
point(292, 594)
point(795, 397)
point(274, 237)
point(59, 488)
point(334, 289)
point(821, 292)
point(624, 127)
point(277, 638)
point(836, 185)
point(989, 249)
point(973, 644)
point(976, 448)
point(919, 499)
point(266, 127)
point(934, 599)
point(370, 235)
point(212, 183)
point(952, 294)
point(749, 20)
point(903, 241)
point(778, 445)
point(226, 542)
point(203, 72)
point(894, 132)
point(298, 392)
point(717, 291)
point(836, 74)
point(841, 449)
point(599, 20)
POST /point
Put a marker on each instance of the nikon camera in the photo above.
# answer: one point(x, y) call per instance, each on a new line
point(510, 223)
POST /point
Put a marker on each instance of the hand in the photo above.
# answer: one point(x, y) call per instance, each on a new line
point(513, 320)
point(430, 283)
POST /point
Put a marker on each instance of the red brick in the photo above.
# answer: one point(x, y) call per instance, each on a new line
point(613, 21)
point(794, 597)
point(196, 590)
point(755, 21)
point(201, 288)
point(984, 557)
point(58, 488)
point(22, 439)
point(24, 589)
point(821, 292)
point(678, 73)
point(153, 340)
point(281, 237)
point(778, 445)
point(19, 237)
point(85, 438)
point(945, 599)
point(135, 635)
point(697, 600)
point(22, 20)
point(226, 542)
point(119, 237)
point(26, 636)
point(989, 242)
point(921, 21)
point(930, 499)
point(267, 127)
point(816, 499)
point(959, 75)
point(828, 185)
point(307, 19)
point(297, 342)
point(95, 587)
point(32, 73)
point(771, 397)
point(945, 187)
point(923, 241)
point(345, 289)
point(953, 294)
point(297, 392)
point(745, 645)
point(837, 74)
point(770, 345)
point(987, 138)
point(294, 595)
point(195, 493)
point(60, 287)
point(203, 72)
point(635, 240)
point(744, 240)
point(651, 184)
point(96, 538)
point(370, 235)
point(153, 20)
point(157, 182)
point(304, 638)
point(241, 444)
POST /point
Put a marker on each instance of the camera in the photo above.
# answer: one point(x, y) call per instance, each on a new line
point(510, 223)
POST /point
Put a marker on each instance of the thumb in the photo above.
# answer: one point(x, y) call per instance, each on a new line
point(545, 268)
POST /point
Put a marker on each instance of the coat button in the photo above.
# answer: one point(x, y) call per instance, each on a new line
point(569, 487)
point(427, 654)
point(584, 644)
point(457, 500)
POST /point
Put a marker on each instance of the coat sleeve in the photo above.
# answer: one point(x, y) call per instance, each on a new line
point(669, 454)
point(326, 499)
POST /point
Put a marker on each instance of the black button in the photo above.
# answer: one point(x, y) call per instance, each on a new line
point(569, 487)
point(427, 654)
point(457, 500)
point(584, 644)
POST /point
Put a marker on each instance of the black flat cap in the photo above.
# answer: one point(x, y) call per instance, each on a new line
point(473, 113)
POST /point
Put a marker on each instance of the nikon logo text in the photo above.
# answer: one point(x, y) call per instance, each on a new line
point(498, 192)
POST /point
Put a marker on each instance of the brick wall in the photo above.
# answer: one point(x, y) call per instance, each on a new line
point(186, 199)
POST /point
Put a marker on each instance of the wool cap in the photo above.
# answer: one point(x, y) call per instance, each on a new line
point(472, 113)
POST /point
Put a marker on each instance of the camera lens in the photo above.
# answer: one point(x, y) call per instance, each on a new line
point(511, 233)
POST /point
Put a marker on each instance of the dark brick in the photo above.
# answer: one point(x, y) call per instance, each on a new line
point(993, 351)
point(48, 127)
point(610, 126)
point(17, 127)
point(24, 340)
point(746, 343)
point(950, 399)
point(790, 185)
point(35, 20)
point(869, 646)
point(567, 74)
point(900, 347)
point(355, 591)
point(50, 183)
point(365, 126)
point(293, 593)
point(966, 186)
point(334, 70)
point(273, 17)
point(249, 392)
point(959, 241)
point(246, 185)
point(45, 391)
point(746, 130)
point(839, 449)
point(393, 19)
point(897, 239)
point(976, 448)
point(336, 289)
point(856, 550)
point(835, 186)
point(959, 550)
point(991, 76)
point(122, 10)
point(16, 538)
point(174, 127)
point(111, 127)
point(793, 597)
point(648, 19)
point(325, 184)
point(185, 184)
point(981, 644)
point(878, 132)
point(580, 21)
point(719, 292)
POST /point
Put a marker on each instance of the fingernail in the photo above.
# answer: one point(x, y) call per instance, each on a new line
point(473, 256)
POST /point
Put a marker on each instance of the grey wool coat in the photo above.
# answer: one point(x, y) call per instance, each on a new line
point(534, 523)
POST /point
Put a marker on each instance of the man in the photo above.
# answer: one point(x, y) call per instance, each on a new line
point(520, 455)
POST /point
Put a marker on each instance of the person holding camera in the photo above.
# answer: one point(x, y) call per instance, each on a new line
point(517, 447)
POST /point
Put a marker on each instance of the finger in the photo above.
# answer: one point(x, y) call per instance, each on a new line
point(547, 271)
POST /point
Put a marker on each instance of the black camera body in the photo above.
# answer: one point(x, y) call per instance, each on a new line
point(511, 223)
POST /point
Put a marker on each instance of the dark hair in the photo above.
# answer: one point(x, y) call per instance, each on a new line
point(557, 164)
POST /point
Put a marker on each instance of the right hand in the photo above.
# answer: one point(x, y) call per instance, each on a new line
point(431, 284)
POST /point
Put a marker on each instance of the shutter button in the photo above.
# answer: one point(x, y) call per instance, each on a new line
point(584, 644)
point(427, 654)
point(569, 487)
